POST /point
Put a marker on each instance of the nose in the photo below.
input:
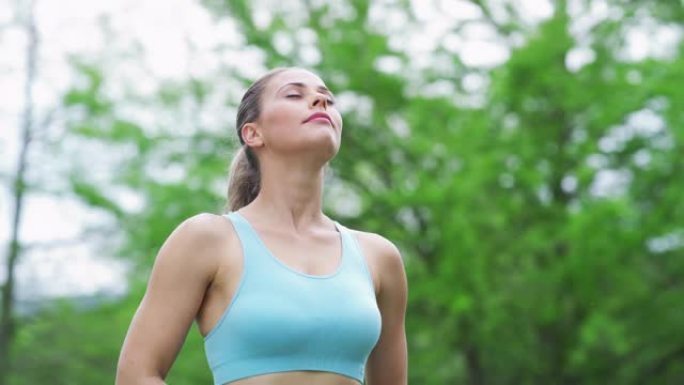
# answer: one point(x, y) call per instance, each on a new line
point(320, 100)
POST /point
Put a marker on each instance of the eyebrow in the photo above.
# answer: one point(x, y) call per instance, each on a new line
point(302, 85)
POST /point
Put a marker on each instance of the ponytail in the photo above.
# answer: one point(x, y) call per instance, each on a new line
point(244, 179)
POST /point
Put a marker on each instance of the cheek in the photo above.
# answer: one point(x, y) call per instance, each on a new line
point(279, 115)
point(338, 119)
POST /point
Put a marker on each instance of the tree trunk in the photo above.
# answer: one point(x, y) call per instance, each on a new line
point(474, 365)
point(7, 324)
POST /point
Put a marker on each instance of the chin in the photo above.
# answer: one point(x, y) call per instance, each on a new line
point(324, 150)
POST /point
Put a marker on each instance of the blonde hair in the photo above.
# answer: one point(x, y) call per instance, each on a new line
point(244, 178)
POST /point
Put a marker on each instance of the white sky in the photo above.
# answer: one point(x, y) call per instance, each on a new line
point(163, 28)
point(73, 27)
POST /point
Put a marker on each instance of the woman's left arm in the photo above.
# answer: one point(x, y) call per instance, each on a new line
point(388, 362)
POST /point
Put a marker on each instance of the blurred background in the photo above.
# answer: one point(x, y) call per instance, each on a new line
point(527, 157)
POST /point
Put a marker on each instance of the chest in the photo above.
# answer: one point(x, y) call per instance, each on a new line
point(318, 254)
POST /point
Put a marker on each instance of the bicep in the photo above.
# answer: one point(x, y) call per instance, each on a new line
point(387, 363)
point(181, 272)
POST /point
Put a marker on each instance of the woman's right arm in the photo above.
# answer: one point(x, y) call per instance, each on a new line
point(182, 271)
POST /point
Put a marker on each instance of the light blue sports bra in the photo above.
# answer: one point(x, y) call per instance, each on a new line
point(283, 320)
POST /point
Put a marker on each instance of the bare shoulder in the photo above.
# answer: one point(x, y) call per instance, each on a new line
point(382, 255)
point(203, 229)
point(380, 246)
point(197, 240)
point(203, 226)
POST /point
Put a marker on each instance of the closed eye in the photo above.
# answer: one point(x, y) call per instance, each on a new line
point(294, 96)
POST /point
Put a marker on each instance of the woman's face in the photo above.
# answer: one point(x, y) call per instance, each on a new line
point(298, 115)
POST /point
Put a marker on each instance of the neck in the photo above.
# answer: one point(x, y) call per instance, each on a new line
point(290, 194)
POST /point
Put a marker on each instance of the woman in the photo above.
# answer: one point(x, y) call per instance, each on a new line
point(281, 293)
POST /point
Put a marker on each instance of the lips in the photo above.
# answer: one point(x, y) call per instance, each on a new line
point(320, 115)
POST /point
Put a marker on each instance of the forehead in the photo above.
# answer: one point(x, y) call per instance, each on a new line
point(295, 76)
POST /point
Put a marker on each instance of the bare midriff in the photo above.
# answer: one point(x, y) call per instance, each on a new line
point(296, 378)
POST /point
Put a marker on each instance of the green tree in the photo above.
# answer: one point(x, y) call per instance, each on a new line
point(538, 215)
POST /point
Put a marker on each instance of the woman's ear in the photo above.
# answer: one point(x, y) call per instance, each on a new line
point(251, 134)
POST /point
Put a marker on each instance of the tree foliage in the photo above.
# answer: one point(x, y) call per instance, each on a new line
point(539, 217)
